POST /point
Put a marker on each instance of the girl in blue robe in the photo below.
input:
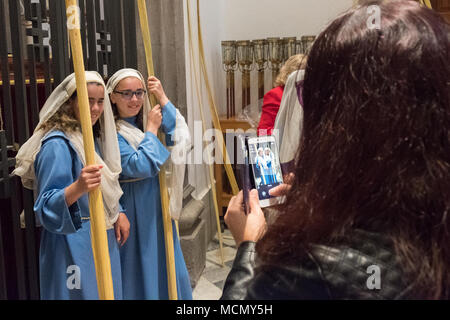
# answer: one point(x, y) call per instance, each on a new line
point(262, 166)
point(66, 262)
point(143, 257)
point(268, 170)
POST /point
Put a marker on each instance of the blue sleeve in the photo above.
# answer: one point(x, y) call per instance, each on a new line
point(53, 168)
point(146, 161)
point(169, 122)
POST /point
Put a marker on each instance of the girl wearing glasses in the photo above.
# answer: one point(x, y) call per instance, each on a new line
point(143, 257)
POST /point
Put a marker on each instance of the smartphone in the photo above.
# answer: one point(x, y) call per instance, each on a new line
point(244, 170)
point(265, 168)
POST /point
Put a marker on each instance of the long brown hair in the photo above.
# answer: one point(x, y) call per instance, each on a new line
point(375, 150)
point(65, 119)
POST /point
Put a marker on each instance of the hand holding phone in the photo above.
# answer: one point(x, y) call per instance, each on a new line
point(283, 189)
point(245, 227)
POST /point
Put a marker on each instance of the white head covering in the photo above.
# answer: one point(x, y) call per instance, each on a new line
point(127, 73)
point(289, 121)
point(108, 145)
point(268, 155)
point(260, 157)
point(175, 167)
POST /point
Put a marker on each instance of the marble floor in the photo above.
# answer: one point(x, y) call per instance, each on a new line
point(210, 284)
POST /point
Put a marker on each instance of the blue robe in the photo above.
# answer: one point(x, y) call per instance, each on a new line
point(143, 256)
point(268, 172)
point(260, 164)
point(66, 262)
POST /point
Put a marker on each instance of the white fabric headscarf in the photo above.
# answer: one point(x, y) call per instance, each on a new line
point(108, 144)
point(176, 164)
point(289, 121)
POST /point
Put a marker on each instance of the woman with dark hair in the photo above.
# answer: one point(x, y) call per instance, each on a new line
point(366, 216)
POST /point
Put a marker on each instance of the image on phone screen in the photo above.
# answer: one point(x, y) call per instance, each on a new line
point(264, 159)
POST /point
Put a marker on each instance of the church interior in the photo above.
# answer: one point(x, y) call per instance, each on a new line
point(216, 60)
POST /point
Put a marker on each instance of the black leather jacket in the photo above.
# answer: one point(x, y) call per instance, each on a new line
point(344, 271)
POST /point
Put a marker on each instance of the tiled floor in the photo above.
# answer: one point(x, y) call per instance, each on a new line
point(210, 284)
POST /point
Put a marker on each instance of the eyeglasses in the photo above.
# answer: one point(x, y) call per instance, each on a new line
point(128, 94)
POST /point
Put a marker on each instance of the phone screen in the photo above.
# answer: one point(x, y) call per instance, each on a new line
point(264, 159)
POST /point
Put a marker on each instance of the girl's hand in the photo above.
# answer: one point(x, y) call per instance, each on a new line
point(155, 87)
point(89, 179)
point(122, 228)
point(154, 119)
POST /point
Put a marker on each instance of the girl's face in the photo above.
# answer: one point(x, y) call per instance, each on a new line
point(96, 96)
point(128, 96)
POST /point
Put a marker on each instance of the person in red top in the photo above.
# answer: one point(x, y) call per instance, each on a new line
point(272, 99)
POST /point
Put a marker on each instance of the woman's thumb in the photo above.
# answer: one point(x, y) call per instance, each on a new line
point(117, 229)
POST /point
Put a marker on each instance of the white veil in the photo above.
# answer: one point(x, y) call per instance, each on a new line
point(289, 121)
point(109, 147)
point(175, 166)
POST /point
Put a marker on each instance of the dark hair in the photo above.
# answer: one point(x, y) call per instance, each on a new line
point(375, 149)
